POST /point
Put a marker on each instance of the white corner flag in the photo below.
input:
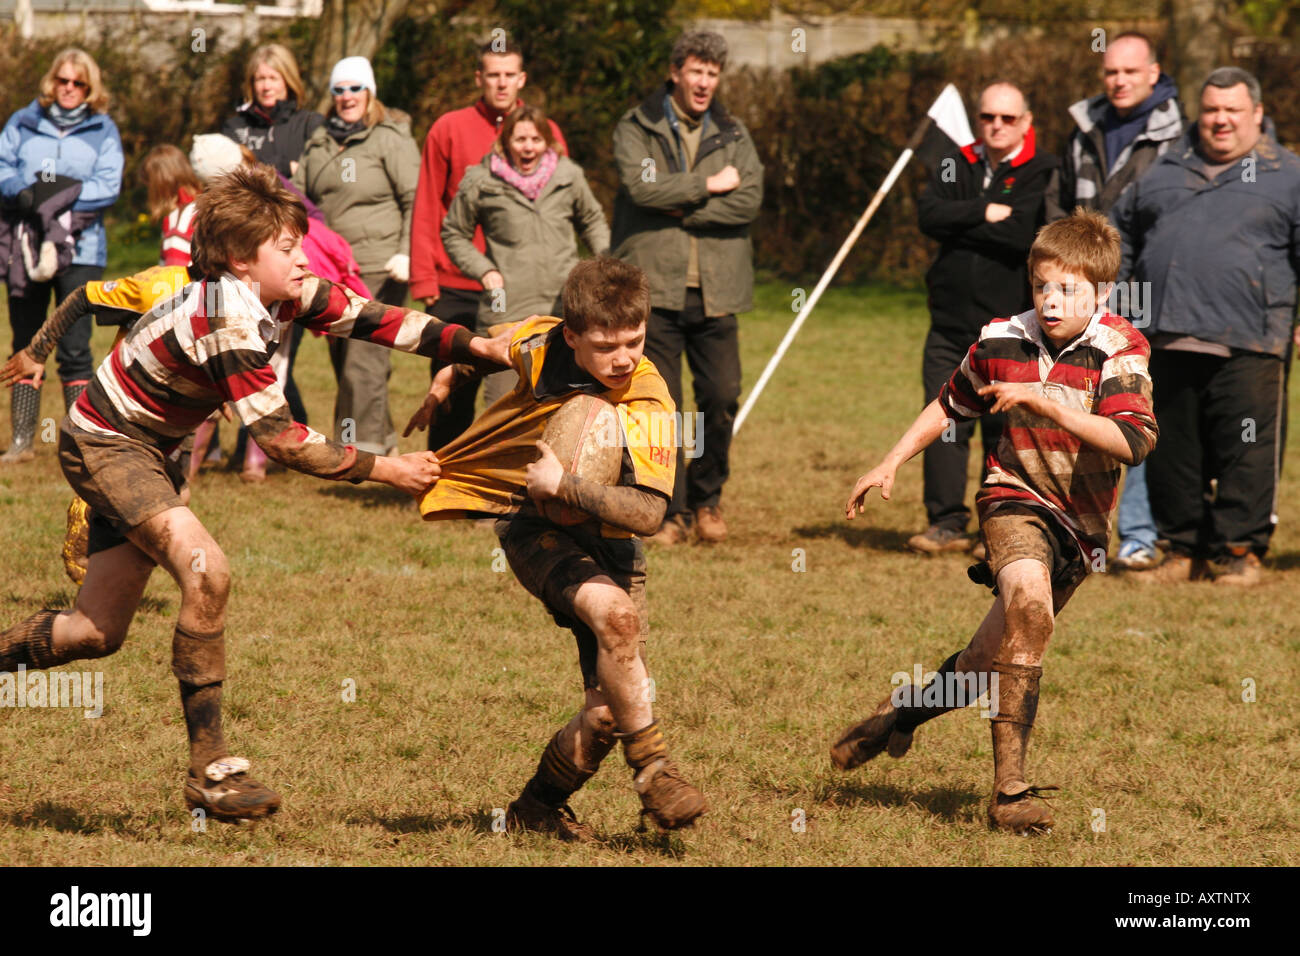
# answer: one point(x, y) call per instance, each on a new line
point(944, 128)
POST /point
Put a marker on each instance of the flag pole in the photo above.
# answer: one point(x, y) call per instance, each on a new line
point(799, 320)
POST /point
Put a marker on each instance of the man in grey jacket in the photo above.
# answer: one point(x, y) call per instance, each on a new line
point(1214, 227)
point(690, 185)
point(1118, 135)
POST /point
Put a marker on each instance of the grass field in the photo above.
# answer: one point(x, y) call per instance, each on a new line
point(461, 677)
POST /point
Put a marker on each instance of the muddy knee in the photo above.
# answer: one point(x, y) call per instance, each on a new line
point(622, 630)
point(599, 721)
point(1029, 627)
point(207, 587)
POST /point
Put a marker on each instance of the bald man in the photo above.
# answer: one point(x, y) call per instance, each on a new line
point(984, 203)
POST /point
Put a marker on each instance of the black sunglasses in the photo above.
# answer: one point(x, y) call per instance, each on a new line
point(64, 81)
point(1007, 120)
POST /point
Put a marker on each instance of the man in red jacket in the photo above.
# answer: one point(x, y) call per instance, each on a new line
point(457, 140)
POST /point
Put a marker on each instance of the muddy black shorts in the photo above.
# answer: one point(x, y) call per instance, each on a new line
point(1014, 532)
point(552, 562)
point(125, 482)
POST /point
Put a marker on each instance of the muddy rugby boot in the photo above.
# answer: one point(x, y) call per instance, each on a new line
point(228, 793)
point(667, 798)
point(529, 813)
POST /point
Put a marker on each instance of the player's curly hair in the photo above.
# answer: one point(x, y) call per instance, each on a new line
point(237, 213)
point(605, 293)
point(1084, 243)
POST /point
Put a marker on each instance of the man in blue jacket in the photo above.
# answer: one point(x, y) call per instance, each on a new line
point(1214, 227)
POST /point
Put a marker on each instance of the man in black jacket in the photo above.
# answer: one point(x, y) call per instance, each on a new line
point(984, 203)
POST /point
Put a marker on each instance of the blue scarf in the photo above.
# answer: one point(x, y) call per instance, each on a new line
point(65, 119)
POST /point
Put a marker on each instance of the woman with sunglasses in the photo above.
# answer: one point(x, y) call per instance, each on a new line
point(361, 168)
point(60, 168)
point(270, 122)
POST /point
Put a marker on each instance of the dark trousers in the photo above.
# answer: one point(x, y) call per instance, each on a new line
point(459, 306)
point(944, 462)
point(1219, 419)
point(27, 314)
point(712, 347)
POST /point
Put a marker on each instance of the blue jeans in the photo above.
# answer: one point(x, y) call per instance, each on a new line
point(1136, 526)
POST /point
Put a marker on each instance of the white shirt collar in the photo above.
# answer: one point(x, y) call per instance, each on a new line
point(233, 290)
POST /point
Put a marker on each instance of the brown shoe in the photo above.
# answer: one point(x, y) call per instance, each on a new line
point(671, 532)
point(528, 813)
point(867, 740)
point(1026, 812)
point(1242, 571)
point(709, 525)
point(666, 796)
point(934, 540)
point(1172, 570)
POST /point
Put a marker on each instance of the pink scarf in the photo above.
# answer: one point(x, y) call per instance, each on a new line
point(532, 184)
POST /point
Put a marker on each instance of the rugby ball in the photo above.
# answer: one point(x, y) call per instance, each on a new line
point(584, 434)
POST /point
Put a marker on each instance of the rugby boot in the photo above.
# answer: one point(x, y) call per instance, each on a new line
point(665, 795)
point(228, 793)
point(530, 813)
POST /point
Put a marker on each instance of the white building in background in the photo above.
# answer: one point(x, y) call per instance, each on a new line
point(49, 17)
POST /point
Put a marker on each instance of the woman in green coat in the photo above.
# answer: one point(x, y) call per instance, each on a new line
point(529, 201)
point(361, 168)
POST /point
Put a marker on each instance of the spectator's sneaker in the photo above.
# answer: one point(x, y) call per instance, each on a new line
point(935, 540)
point(529, 813)
point(228, 793)
point(671, 532)
point(1241, 571)
point(1134, 556)
point(1024, 813)
point(709, 525)
point(666, 796)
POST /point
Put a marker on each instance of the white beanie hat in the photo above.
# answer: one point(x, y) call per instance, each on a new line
point(213, 155)
point(351, 70)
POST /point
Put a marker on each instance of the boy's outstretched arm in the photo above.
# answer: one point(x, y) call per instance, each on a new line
point(29, 362)
point(1096, 430)
point(928, 426)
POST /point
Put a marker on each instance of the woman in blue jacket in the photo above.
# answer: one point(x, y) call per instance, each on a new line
point(63, 138)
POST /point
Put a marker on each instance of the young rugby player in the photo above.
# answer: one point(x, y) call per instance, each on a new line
point(591, 577)
point(211, 343)
point(1073, 381)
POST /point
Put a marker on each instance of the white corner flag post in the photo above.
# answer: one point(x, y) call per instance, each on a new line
point(948, 115)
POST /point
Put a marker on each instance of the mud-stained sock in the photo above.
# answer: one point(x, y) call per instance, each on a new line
point(917, 713)
point(30, 643)
point(643, 747)
point(202, 706)
point(557, 777)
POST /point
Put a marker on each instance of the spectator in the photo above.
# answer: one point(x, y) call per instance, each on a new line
point(458, 141)
point(60, 168)
point(361, 169)
point(172, 187)
point(270, 123)
point(1214, 227)
point(527, 200)
point(686, 223)
point(1118, 135)
point(985, 215)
